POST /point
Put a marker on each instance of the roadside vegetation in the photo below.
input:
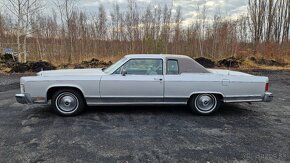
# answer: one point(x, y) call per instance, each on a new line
point(68, 37)
point(8, 65)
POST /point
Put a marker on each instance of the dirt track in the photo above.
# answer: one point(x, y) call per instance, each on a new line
point(238, 132)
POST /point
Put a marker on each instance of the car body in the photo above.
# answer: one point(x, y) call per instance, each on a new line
point(144, 79)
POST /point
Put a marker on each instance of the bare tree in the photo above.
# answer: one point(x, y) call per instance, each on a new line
point(132, 23)
point(177, 24)
point(115, 20)
point(23, 10)
point(201, 25)
point(256, 9)
point(286, 26)
point(66, 10)
point(1, 29)
point(101, 23)
point(270, 10)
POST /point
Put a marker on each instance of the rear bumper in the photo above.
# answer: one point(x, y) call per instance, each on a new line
point(23, 98)
point(268, 97)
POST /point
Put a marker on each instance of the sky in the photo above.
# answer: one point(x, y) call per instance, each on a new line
point(231, 9)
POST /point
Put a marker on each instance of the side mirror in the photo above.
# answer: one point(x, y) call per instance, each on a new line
point(123, 72)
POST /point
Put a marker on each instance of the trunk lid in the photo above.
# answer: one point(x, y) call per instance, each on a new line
point(228, 72)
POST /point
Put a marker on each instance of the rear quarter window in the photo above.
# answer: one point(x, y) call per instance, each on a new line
point(172, 67)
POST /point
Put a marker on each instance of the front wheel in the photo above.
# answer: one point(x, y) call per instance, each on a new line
point(204, 104)
point(67, 102)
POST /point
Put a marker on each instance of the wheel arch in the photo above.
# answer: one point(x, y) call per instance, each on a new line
point(51, 90)
point(219, 94)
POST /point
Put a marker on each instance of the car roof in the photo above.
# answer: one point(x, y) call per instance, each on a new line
point(155, 56)
point(187, 64)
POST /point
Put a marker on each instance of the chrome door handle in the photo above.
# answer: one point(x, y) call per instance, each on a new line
point(160, 79)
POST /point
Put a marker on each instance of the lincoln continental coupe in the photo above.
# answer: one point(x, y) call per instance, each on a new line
point(142, 79)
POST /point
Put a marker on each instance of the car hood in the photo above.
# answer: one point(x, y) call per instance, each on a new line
point(228, 72)
point(72, 72)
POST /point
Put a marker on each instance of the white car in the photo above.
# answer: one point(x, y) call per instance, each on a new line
point(143, 79)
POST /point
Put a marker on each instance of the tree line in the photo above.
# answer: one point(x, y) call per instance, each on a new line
point(69, 34)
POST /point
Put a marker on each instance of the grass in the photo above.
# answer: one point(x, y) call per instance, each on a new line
point(248, 64)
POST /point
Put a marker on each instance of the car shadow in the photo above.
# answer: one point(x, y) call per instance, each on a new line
point(151, 109)
point(225, 110)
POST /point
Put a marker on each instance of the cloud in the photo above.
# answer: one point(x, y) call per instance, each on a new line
point(226, 8)
point(190, 9)
point(90, 5)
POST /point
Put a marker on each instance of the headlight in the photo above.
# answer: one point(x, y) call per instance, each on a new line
point(22, 88)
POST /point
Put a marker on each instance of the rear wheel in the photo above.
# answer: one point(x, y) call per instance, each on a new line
point(204, 104)
point(67, 102)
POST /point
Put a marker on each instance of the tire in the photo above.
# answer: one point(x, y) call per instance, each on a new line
point(204, 104)
point(67, 102)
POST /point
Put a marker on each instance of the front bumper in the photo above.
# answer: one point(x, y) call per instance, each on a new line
point(23, 98)
point(268, 97)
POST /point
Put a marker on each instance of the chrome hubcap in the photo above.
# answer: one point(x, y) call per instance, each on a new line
point(205, 102)
point(67, 102)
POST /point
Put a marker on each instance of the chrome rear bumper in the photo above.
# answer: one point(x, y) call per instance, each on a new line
point(268, 97)
point(23, 98)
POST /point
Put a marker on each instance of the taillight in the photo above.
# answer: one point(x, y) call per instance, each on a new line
point(267, 87)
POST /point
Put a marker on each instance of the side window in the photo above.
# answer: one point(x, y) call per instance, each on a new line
point(172, 67)
point(142, 67)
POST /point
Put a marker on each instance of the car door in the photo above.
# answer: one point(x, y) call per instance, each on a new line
point(142, 82)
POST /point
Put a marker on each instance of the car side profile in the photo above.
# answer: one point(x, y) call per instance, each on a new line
point(141, 79)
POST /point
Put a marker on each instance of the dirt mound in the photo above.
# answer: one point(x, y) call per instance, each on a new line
point(30, 66)
point(230, 62)
point(7, 58)
point(7, 64)
point(205, 62)
point(41, 65)
point(267, 62)
point(20, 67)
point(93, 63)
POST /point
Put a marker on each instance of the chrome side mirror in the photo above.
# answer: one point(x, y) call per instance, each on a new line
point(123, 72)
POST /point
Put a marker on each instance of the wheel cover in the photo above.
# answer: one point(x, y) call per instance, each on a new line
point(67, 102)
point(205, 103)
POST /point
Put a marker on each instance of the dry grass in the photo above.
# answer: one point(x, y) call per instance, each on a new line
point(249, 64)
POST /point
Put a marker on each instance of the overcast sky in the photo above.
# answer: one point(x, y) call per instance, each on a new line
point(227, 8)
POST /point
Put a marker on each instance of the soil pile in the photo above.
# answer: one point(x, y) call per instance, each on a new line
point(7, 64)
point(93, 63)
point(205, 62)
point(230, 62)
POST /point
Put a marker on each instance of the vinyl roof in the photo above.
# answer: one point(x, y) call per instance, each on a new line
point(155, 56)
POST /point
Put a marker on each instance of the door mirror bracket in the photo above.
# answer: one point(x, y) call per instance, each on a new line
point(123, 72)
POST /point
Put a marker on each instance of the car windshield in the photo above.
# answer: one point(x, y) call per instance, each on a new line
point(114, 66)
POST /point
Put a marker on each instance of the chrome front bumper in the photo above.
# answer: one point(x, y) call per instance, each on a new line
point(23, 98)
point(268, 97)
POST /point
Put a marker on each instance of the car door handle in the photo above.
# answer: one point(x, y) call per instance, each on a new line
point(160, 79)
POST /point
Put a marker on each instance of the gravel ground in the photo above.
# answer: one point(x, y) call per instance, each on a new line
point(9, 81)
point(237, 133)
